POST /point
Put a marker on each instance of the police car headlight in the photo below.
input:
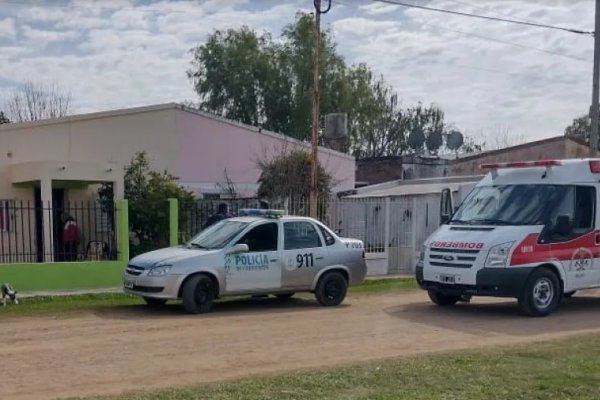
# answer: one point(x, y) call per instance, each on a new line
point(498, 255)
point(160, 270)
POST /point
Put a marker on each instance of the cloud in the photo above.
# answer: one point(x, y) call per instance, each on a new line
point(7, 28)
point(118, 53)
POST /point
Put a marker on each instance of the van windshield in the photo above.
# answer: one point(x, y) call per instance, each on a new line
point(218, 235)
point(515, 205)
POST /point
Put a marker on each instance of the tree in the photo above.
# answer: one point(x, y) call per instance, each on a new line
point(287, 176)
point(581, 128)
point(35, 101)
point(147, 191)
point(3, 118)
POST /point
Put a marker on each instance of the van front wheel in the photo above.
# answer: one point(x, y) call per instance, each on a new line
point(441, 299)
point(541, 294)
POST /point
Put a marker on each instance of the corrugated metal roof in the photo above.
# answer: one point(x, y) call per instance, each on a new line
point(410, 190)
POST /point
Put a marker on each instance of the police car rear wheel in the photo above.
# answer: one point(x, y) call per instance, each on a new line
point(152, 302)
point(441, 299)
point(540, 296)
point(331, 289)
point(198, 294)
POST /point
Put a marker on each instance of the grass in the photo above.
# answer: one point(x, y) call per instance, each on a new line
point(87, 302)
point(565, 369)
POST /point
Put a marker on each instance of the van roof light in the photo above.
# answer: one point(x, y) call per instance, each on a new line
point(595, 166)
point(523, 164)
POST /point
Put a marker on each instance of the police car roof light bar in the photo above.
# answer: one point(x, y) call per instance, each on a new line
point(259, 212)
point(522, 164)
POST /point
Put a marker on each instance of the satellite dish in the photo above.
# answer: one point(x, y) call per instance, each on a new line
point(336, 126)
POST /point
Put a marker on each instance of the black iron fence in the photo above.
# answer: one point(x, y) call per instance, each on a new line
point(42, 232)
point(194, 216)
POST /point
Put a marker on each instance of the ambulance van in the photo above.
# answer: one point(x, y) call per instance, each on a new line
point(527, 230)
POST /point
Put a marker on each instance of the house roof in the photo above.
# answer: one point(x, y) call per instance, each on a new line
point(160, 107)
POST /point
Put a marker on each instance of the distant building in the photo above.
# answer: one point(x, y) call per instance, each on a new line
point(406, 167)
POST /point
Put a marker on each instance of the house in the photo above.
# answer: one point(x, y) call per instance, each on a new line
point(49, 165)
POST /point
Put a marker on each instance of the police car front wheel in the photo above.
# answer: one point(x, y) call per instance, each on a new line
point(198, 294)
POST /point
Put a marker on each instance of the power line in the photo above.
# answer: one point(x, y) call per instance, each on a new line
point(464, 14)
point(464, 3)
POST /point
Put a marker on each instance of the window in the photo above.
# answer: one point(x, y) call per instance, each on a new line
point(301, 235)
point(261, 238)
point(218, 235)
point(4, 216)
point(585, 207)
point(329, 239)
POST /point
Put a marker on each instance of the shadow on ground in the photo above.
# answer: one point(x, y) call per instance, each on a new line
point(503, 317)
point(224, 308)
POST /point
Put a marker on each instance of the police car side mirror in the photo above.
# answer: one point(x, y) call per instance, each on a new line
point(239, 248)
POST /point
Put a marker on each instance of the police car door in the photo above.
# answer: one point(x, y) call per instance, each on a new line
point(303, 254)
point(259, 268)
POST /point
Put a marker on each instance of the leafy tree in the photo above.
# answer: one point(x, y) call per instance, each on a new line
point(581, 127)
point(287, 176)
point(147, 191)
point(3, 118)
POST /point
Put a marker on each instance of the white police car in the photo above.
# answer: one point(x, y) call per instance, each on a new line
point(261, 252)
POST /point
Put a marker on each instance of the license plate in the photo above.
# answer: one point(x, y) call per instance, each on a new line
point(128, 284)
point(448, 279)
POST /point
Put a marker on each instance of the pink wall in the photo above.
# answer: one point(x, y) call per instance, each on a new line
point(206, 146)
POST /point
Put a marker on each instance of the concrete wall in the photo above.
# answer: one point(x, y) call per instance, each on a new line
point(208, 146)
point(385, 169)
point(554, 148)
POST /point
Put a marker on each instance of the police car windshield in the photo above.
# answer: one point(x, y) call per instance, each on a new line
point(515, 205)
point(218, 235)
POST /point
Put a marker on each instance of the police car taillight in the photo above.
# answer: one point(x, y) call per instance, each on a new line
point(522, 164)
point(595, 166)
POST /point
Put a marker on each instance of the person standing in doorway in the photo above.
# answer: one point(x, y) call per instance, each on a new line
point(70, 238)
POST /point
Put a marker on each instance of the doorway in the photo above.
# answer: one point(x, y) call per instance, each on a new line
point(58, 205)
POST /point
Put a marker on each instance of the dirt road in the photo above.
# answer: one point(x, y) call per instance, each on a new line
point(116, 350)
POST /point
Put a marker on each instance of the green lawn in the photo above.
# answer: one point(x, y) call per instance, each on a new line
point(77, 303)
point(566, 369)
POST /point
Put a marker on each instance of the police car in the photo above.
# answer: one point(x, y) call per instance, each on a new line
point(261, 252)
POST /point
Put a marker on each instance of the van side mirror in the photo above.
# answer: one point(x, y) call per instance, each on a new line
point(562, 225)
point(239, 248)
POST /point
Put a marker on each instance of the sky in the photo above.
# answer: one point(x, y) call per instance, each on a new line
point(488, 77)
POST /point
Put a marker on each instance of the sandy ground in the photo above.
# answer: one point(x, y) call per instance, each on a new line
point(123, 349)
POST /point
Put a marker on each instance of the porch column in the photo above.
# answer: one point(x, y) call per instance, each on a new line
point(118, 190)
point(47, 223)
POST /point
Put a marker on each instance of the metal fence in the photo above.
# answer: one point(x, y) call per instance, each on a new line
point(38, 232)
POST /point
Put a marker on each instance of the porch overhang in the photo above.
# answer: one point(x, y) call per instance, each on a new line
point(80, 172)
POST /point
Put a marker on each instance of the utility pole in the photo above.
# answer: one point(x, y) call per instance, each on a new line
point(595, 109)
point(313, 206)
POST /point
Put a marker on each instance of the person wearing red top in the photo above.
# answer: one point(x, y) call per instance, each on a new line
point(70, 238)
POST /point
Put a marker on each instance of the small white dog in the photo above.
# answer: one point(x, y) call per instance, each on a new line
point(8, 293)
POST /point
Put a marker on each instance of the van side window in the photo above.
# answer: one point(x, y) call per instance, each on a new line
point(585, 209)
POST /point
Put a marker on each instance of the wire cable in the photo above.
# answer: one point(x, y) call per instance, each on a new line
point(464, 14)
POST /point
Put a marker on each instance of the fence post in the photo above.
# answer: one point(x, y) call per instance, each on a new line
point(123, 230)
point(386, 234)
point(414, 234)
point(173, 222)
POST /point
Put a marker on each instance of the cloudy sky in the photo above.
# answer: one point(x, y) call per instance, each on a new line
point(487, 76)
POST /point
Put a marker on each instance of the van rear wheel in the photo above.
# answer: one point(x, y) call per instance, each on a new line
point(541, 294)
point(441, 299)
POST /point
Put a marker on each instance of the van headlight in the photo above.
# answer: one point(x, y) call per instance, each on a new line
point(498, 255)
point(421, 256)
point(160, 270)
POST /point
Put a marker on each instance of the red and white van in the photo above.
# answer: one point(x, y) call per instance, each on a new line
point(528, 230)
